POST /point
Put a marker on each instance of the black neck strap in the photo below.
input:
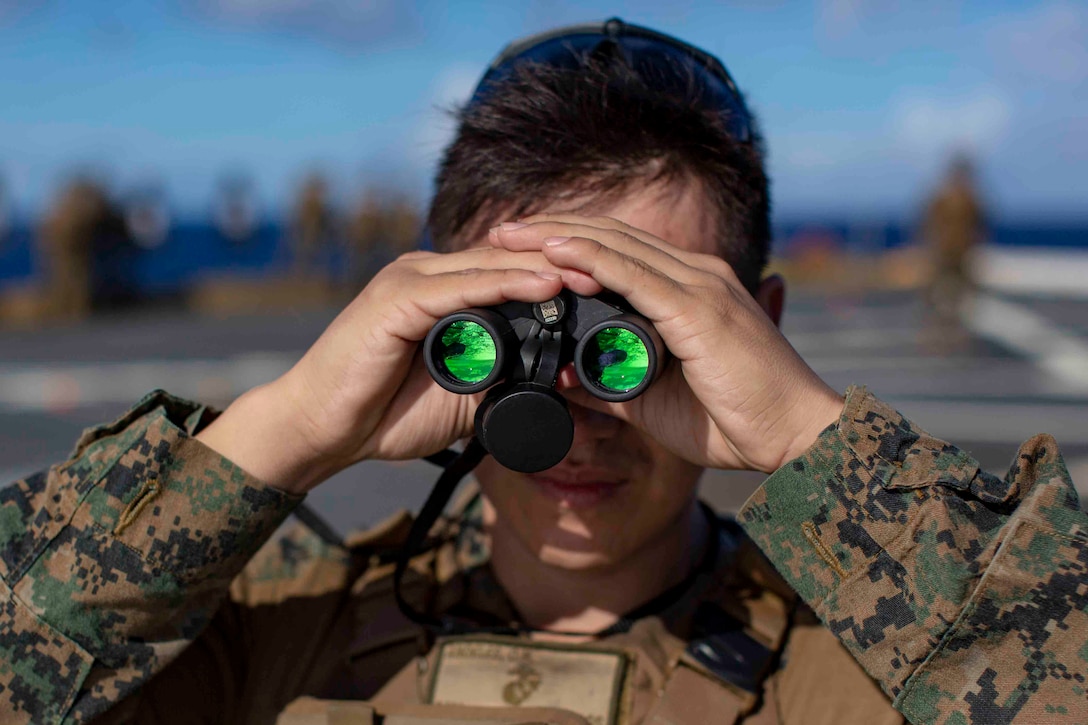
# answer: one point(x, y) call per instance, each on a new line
point(457, 466)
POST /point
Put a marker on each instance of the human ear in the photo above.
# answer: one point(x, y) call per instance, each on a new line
point(771, 296)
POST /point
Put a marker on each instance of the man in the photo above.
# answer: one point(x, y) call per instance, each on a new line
point(598, 591)
point(312, 224)
point(953, 227)
point(83, 242)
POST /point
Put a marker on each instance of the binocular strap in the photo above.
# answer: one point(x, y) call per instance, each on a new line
point(457, 469)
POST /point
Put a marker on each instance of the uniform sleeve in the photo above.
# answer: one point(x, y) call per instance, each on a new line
point(114, 561)
point(964, 595)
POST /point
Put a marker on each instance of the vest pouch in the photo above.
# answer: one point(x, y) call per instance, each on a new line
point(691, 697)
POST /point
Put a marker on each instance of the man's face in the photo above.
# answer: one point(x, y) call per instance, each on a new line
point(617, 491)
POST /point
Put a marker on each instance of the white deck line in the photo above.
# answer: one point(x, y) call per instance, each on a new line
point(1028, 270)
point(50, 387)
point(1061, 354)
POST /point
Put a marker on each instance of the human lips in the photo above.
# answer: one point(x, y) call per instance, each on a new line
point(578, 487)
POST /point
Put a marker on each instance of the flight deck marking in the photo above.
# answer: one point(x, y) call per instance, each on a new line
point(1061, 354)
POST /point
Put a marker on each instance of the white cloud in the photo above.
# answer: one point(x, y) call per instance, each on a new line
point(928, 126)
point(344, 22)
point(841, 18)
point(451, 89)
point(1048, 43)
point(12, 10)
point(881, 166)
point(879, 26)
point(803, 151)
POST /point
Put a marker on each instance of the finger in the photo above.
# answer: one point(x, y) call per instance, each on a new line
point(601, 222)
point(442, 294)
point(580, 283)
point(626, 238)
point(654, 294)
point(653, 251)
point(476, 258)
point(492, 258)
point(607, 223)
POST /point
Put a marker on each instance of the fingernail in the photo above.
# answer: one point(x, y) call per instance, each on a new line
point(493, 231)
point(511, 226)
point(555, 241)
point(547, 275)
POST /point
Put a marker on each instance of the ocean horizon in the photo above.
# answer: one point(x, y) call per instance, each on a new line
point(188, 250)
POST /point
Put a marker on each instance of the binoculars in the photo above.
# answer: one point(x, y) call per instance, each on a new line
point(523, 422)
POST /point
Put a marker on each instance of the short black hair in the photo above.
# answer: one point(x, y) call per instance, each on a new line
point(544, 133)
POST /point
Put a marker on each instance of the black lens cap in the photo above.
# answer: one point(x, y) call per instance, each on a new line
point(526, 427)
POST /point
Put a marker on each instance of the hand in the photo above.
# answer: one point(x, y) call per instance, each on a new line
point(361, 391)
point(738, 396)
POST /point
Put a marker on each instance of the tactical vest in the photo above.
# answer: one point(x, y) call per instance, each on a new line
point(739, 622)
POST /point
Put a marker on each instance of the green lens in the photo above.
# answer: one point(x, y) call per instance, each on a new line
point(468, 351)
point(616, 359)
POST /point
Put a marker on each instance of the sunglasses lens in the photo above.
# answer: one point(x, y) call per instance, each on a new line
point(616, 359)
point(467, 351)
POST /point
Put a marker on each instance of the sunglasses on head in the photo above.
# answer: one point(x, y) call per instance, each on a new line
point(666, 62)
point(669, 64)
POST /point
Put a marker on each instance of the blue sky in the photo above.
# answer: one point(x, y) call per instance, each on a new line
point(861, 100)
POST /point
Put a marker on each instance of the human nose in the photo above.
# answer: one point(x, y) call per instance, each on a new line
point(591, 425)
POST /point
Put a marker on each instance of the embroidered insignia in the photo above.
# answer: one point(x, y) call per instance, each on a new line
point(527, 681)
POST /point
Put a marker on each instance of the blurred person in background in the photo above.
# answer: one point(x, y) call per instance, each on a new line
point(147, 216)
point(79, 236)
point(144, 580)
point(402, 226)
point(313, 224)
point(384, 225)
point(5, 214)
point(364, 237)
point(953, 226)
point(235, 208)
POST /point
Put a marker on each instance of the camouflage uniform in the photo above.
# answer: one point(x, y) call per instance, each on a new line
point(127, 595)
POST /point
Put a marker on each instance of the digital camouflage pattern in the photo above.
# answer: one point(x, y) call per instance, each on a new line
point(964, 595)
point(124, 597)
point(91, 609)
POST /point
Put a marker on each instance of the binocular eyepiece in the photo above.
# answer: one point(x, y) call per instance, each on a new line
point(523, 422)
